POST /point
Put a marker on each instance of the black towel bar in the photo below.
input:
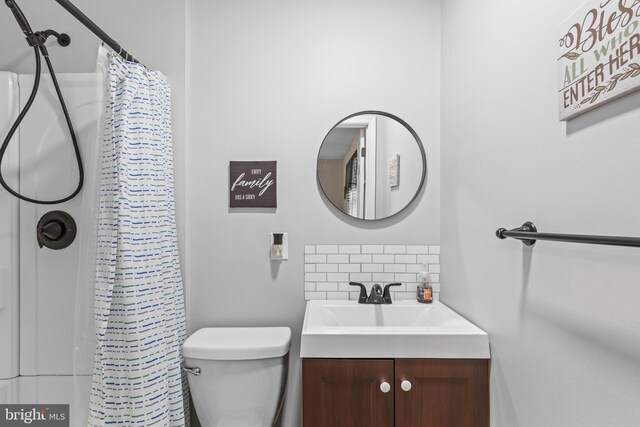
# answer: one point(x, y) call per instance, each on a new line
point(528, 234)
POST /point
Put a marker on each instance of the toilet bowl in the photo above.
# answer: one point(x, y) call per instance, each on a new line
point(237, 376)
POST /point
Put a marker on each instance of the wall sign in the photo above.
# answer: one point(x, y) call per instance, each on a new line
point(394, 171)
point(252, 184)
point(599, 56)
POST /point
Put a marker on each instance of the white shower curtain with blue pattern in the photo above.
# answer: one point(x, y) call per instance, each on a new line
point(139, 302)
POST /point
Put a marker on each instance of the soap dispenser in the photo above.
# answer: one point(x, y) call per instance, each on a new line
point(424, 291)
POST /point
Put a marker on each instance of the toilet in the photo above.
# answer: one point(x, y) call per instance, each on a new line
point(237, 376)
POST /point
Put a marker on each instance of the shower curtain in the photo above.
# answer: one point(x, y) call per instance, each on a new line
point(139, 304)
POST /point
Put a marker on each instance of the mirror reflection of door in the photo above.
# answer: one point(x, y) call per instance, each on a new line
point(359, 165)
point(351, 148)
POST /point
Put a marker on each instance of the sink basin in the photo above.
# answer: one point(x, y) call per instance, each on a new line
point(404, 329)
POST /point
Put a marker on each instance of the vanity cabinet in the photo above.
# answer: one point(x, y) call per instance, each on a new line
point(420, 392)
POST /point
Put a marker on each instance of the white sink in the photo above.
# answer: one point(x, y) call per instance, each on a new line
point(404, 329)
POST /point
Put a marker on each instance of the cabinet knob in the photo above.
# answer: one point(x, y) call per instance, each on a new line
point(405, 385)
point(385, 387)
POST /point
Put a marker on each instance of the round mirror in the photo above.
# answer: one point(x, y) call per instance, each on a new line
point(371, 165)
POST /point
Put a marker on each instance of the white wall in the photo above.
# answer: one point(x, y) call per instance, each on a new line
point(268, 80)
point(563, 318)
point(159, 43)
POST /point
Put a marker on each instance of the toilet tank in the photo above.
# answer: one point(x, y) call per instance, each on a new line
point(242, 374)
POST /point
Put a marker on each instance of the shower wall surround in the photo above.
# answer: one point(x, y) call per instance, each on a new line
point(328, 269)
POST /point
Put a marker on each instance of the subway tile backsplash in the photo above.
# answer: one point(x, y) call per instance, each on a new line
point(328, 269)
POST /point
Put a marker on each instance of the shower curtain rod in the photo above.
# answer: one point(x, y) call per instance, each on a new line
point(84, 19)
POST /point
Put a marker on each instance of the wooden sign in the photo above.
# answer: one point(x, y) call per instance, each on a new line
point(599, 56)
point(252, 184)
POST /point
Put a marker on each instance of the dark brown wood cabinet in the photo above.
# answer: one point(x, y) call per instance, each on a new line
point(436, 392)
point(444, 392)
point(346, 393)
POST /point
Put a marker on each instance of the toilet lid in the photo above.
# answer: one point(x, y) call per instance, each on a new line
point(237, 343)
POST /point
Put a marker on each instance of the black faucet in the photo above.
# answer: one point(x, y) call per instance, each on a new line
point(377, 295)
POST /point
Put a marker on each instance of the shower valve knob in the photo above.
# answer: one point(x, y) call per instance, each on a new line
point(56, 230)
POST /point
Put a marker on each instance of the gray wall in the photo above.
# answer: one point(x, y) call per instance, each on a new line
point(563, 319)
point(268, 80)
point(159, 43)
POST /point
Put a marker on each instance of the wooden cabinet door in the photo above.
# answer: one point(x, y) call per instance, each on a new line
point(346, 393)
point(444, 393)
